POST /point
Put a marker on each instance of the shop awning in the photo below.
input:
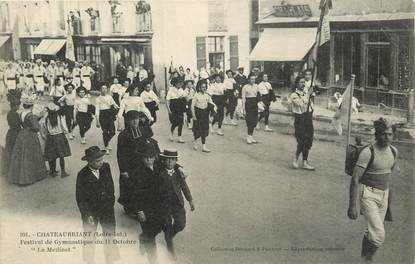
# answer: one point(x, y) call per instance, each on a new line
point(49, 46)
point(3, 40)
point(283, 44)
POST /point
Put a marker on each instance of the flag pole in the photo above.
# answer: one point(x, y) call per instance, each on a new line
point(315, 51)
point(349, 113)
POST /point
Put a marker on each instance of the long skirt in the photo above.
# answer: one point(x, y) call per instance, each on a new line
point(251, 110)
point(201, 124)
point(56, 146)
point(231, 100)
point(153, 108)
point(304, 130)
point(11, 137)
point(106, 119)
point(189, 110)
point(69, 118)
point(219, 101)
point(26, 164)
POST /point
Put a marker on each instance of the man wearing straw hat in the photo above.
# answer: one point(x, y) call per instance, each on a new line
point(95, 199)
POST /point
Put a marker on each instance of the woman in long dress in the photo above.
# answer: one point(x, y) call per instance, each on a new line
point(201, 108)
point(27, 164)
point(13, 120)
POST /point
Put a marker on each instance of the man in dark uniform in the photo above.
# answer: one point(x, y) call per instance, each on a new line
point(148, 197)
point(95, 199)
point(240, 80)
point(133, 131)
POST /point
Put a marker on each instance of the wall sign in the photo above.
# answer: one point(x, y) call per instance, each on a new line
point(292, 11)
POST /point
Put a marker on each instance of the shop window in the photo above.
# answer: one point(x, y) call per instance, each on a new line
point(88, 52)
point(378, 67)
point(201, 52)
point(215, 44)
point(404, 65)
point(346, 58)
point(80, 53)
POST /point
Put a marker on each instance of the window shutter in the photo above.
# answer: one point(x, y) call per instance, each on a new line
point(233, 52)
point(201, 52)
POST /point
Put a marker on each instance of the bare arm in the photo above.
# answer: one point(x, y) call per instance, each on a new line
point(354, 192)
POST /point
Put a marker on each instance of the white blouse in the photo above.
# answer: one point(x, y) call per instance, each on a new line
point(264, 87)
point(249, 91)
point(68, 99)
point(133, 103)
point(175, 93)
point(57, 91)
point(81, 104)
point(229, 82)
point(149, 97)
point(216, 89)
point(104, 102)
point(201, 100)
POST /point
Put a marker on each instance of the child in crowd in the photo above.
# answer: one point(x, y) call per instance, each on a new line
point(177, 185)
point(56, 145)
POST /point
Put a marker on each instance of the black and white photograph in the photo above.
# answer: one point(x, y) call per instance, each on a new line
point(207, 131)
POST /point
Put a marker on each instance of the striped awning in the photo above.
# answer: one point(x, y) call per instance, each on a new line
point(49, 46)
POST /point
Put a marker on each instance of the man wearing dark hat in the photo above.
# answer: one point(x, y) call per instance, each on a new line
point(95, 199)
point(373, 173)
point(176, 185)
point(133, 131)
point(148, 197)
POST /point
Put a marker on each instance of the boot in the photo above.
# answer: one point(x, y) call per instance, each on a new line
point(220, 133)
point(180, 140)
point(233, 123)
point(368, 249)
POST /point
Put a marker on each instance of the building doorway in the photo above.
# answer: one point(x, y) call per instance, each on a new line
point(217, 60)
